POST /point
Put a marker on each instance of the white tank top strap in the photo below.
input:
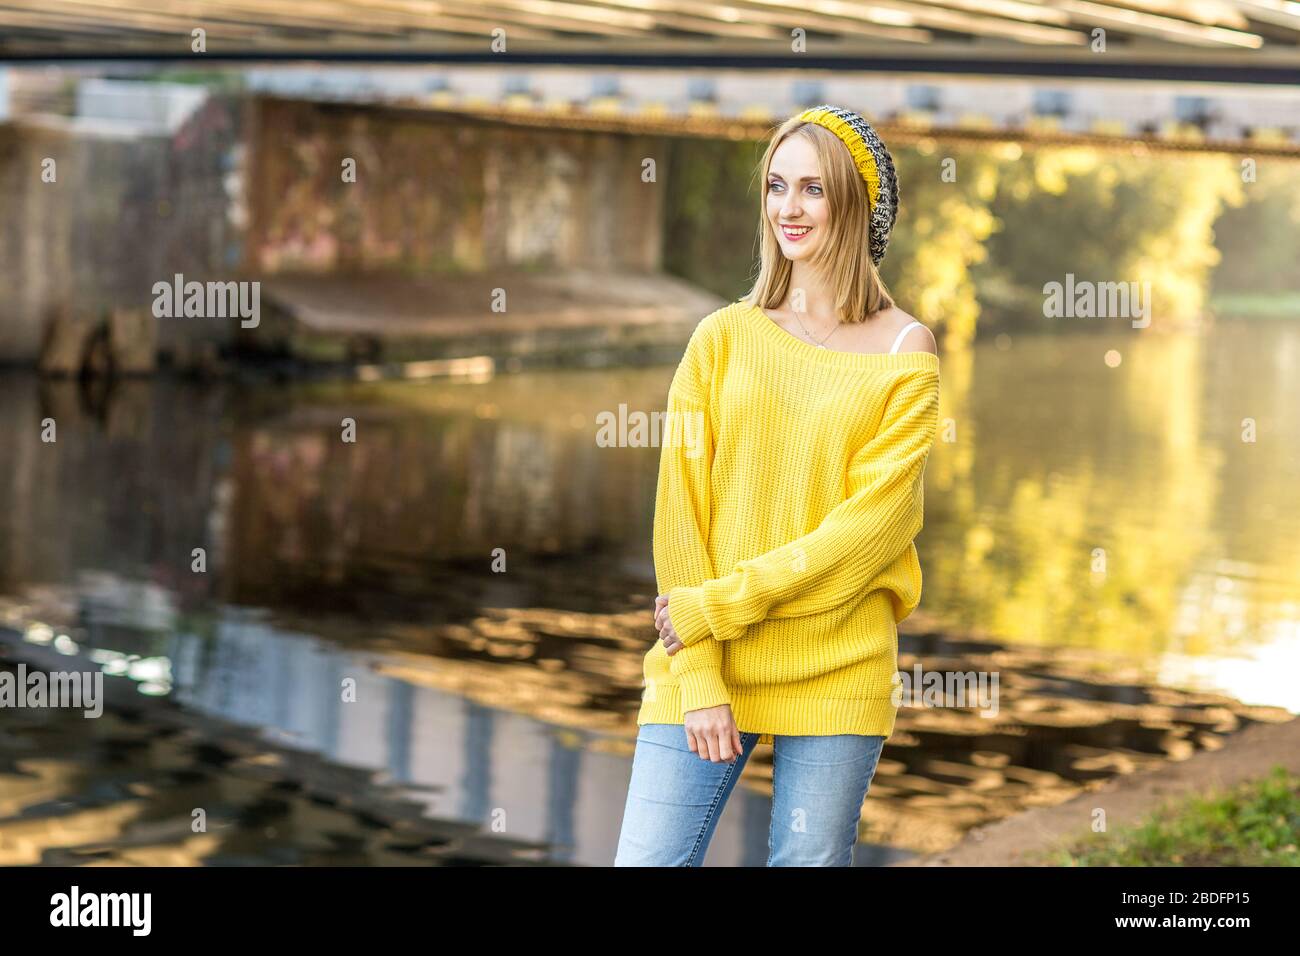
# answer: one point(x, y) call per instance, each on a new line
point(899, 341)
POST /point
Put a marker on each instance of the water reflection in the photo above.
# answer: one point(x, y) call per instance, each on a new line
point(1083, 512)
point(409, 771)
point(1121, 508)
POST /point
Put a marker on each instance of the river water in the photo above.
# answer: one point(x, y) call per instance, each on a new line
point(1112, 525)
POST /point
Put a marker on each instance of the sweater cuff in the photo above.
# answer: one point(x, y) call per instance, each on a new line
point(686, 611)
point(702, 687)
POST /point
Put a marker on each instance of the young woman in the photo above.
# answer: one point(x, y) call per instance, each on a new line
point(790, 484)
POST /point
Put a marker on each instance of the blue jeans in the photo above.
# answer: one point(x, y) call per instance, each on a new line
point(675, 797)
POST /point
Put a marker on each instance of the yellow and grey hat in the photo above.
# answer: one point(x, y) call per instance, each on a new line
point(873, 162)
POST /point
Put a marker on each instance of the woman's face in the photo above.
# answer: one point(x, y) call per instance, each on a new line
point(796, 204)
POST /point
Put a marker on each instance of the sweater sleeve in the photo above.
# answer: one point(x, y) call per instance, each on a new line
point(682, 517)
point(854, 543)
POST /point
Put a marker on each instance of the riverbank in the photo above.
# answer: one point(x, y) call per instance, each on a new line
point(1028, 838)
point(374, 326)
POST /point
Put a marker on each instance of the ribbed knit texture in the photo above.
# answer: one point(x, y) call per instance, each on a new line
point(790, 491)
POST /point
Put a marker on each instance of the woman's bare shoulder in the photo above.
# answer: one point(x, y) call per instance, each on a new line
point(916, 340)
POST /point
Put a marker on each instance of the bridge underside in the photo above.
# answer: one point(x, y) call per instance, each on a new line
point(1182, 75)
point(1221, 40)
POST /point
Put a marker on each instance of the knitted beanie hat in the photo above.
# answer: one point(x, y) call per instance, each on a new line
point(873, 162)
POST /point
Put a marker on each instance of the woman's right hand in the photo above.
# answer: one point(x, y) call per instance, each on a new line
point(712, 735)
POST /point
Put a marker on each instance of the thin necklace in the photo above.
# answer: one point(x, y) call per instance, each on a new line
point(821, 344)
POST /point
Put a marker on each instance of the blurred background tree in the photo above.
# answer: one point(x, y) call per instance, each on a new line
point(974, 250)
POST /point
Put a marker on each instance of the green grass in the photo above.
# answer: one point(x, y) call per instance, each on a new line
point(1255, 824)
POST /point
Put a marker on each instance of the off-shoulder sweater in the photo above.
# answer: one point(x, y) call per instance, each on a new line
point(790, 490)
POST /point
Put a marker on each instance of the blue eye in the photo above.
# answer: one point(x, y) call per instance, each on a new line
point(778, 185)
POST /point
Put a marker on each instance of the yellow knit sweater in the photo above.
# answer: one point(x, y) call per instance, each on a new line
point(790, 491)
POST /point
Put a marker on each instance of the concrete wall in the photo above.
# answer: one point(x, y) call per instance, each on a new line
point(124, 212)
point(35, 249)
point(253, 187)
point(435, 194)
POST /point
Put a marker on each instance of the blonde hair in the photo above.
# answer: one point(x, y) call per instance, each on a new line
point(844, 256)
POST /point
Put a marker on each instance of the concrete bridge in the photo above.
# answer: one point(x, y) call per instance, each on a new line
point(1187, 40)
point(405, 265)
point(739, 103)
point(156, 180)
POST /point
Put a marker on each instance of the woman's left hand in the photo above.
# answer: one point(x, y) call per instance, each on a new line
point(672, 643)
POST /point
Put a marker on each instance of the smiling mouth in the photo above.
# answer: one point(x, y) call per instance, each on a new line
point(796, 232)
